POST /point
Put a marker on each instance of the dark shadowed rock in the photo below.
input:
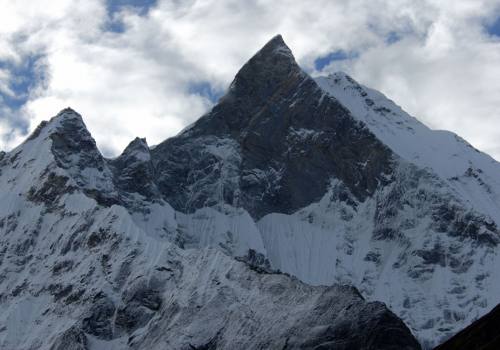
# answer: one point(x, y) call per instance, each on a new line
point(133, 170)
point(272, 144)
point(256, 261)
point(483, 334)
point(71, 339)
point(72, 143)
point(75, 150)
point(99, 321)
point(51, 189)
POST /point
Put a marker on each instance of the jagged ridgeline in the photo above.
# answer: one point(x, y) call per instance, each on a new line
point(207, 240)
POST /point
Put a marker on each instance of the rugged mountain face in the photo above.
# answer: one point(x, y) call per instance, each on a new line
point(345, 187)
point(84, 266)
point(481, 335)
point(469, 173)
point(324, 179)
point(272, 133)
point(447, 212)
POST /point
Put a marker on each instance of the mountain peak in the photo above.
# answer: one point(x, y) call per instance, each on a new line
point(275, 52)
point(68, 111)
point(137, 143)
point(66, 119)
point(271, 66)
point(72, 143)
point(277, 127)
point(68, 115)
point(69, 124)
point(277, 46)
point(137, 148)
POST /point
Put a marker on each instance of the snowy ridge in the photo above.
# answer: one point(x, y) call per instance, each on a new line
point(76, 274)
point(475, 176)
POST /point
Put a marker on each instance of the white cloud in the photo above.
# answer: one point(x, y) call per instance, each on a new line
point(449, 79)
point(137, 83)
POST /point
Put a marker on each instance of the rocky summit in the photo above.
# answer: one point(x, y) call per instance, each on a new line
point(298, 213)
point(272, 133)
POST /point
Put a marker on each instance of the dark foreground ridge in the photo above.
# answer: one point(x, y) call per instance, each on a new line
point(484, 334)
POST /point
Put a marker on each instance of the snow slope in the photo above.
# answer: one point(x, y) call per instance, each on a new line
point(474, 175)
point(435, 282)
point(87, 271)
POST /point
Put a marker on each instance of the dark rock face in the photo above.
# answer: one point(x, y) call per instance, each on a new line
point(99, 322)
point(256, 261)
point(72, 339)
point(53, 187)
point(72, 144)
point(75, 150)
point(337, 318)
point(133, 170)
point(382, 332)
point(483, 334)
point(287, 140)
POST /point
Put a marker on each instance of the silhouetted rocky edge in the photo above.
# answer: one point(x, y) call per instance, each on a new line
point(483, 334)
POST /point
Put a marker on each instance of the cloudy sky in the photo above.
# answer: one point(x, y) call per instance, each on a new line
point(148, 68)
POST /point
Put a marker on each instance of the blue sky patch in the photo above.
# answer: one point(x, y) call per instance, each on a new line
point(141, 6)
point(392, 37)
point(115, 25)
point(113, 6)
point(206, 90)
point(494, 28)
point(26, 76)
point(339, 55)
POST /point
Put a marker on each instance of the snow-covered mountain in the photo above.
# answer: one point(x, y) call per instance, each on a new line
point(91, 258)
point(323, 179)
